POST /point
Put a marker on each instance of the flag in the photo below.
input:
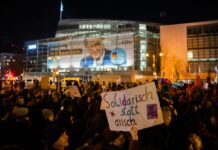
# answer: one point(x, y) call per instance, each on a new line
point(62, 7)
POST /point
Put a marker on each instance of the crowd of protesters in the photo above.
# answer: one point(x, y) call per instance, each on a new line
point(43, 119)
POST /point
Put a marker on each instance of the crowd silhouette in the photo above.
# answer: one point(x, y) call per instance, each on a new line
point(45, 119)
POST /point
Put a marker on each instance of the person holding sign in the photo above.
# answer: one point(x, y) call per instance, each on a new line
point(115, 140)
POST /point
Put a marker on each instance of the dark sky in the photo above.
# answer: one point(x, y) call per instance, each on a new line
point(34, 19)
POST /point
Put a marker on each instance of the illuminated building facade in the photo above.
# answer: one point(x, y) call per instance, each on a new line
point(189, 49)
point(126, 44)
point(7, 61)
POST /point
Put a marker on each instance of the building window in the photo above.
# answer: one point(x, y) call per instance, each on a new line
point(142, 26)
point(190, 55)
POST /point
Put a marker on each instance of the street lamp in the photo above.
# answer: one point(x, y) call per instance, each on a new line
point(160, 54)
point(54, 70)
point(154, 62)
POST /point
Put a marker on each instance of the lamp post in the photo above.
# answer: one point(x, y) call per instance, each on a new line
point(154, 65)
point(154, 62)
point(54, 70)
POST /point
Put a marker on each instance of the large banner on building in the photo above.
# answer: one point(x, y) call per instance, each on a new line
point(105, 51)
point(138, 106)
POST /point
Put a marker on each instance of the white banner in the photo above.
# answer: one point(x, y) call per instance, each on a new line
point(105, 51)
point(138, 106)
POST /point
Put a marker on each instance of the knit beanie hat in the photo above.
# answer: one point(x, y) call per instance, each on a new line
point(52, 134)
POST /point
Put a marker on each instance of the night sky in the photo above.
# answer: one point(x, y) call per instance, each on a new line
point(23, 20)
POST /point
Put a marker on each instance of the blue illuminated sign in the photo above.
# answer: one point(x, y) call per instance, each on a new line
point(32, 46)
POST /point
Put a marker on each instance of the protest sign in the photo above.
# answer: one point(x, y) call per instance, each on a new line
point(138, 106)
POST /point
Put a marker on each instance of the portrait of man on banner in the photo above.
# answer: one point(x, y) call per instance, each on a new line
point(98, 55)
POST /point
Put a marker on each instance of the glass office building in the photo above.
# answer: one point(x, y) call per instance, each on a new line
point(131, 48)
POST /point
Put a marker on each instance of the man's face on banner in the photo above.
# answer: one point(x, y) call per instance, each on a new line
point(95, 48)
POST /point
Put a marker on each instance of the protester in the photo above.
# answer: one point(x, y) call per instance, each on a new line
point(55, 138)
point(189, 115)
point(116, 140)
